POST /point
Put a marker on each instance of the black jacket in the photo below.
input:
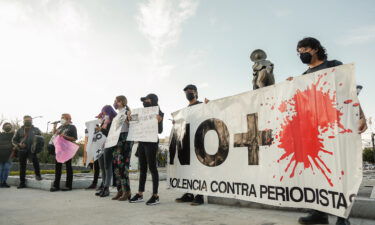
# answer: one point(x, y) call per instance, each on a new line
point(6, 146)
point(22, 137)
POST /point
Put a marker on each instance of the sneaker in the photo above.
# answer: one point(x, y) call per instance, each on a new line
point(185, 198)
point(342, 221)
point(137, 198)
point(198, 200)
point(315, 217)
point(154, 200)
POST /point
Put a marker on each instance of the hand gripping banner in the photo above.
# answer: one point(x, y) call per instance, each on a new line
point(294, 144)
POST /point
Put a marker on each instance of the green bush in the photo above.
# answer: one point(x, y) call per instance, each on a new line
point(368, 155)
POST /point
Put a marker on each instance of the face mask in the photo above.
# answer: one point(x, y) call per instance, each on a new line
point(106, 117)
point(27, 123)
point(115, 105)
point(190, 96)
point(7, 129)
point(63, 121)
point(146, 104)
point(305, 57)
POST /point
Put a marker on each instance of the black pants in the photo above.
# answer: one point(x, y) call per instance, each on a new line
point(69, 174)
point(96, 168)
point(23, 162)
point(147, 157)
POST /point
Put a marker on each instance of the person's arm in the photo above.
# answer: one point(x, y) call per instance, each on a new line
point(71, 134)
point(16, 139)
point(362, 127)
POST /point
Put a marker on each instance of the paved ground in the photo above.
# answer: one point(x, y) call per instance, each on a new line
point(80, 207)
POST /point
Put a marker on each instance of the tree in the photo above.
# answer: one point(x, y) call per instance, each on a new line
point(368, 155)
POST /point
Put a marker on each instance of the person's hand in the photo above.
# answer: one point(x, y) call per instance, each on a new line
point(206, 100)
point(22, 145)
point(289, 78)
point(97, 129)
point(362, 126)
point(159, 118)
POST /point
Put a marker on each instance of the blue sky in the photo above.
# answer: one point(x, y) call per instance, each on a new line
point(76, 56)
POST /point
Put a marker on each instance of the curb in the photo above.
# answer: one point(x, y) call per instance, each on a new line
point(363, 207)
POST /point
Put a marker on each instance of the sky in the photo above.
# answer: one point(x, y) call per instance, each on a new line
point(76, 56)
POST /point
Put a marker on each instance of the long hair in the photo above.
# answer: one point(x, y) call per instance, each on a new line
point(314, 44)
point(108, 110)
point(124, 101)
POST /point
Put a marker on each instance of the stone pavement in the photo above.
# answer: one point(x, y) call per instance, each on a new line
point(81, 207)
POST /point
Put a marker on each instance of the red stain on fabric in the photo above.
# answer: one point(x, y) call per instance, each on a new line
point(300, 134)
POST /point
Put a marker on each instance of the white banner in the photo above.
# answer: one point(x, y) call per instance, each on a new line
point(90, 126)
point(115, 130)
point(293, 144)
point(144, 125)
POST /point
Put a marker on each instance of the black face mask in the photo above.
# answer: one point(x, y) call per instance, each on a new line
point(27, 123)
point(305, 57)
point(146, 104)
point(115, 105)
point(190, 96)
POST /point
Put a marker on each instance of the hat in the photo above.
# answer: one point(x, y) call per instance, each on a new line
point(258, 55)
point(191, 86)
point(154, 98)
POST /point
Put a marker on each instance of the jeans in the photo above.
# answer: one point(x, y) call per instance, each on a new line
point(105, 162)
point(4, 171)
point(147, 158)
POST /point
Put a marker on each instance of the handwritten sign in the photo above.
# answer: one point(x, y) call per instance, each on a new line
point(144, 125)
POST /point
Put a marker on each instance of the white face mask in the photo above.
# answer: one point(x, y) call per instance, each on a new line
point(63, 121)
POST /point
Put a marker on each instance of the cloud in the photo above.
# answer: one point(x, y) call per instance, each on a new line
point(360, 35)
point(160, 21)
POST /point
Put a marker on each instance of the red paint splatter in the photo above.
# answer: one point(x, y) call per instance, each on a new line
point(340, 84)
point(356, 104)
point(348, 101)
point(273, 107)
point(331, 137)
point(342, 172)
point(282, 107)
point(300, 134)
point(281, 178)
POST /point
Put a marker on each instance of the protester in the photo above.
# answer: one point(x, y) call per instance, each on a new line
point(6, 153)
point(94, 165)
point(105, 161)
point(69, 132)
point(122, 153)
point(191, 93)
point(313, 54)
point(147, 157)
point(23, 141)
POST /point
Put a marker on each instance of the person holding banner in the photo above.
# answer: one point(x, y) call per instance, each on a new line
point(147, 157)
point(93, 165)
point(105, 160)
point(191, 93)
point(23, 141)
point(312, 53)
point(122, 153)
point(69, 132)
